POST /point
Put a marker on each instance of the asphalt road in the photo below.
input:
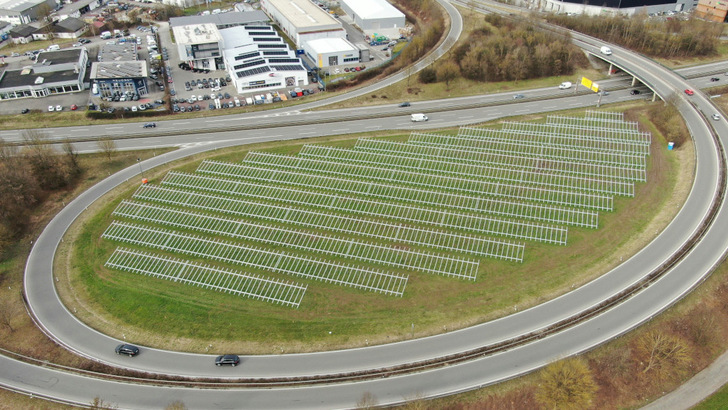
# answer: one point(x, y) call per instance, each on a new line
point(473, 374)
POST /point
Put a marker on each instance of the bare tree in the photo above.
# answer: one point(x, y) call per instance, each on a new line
point(661, 353)
point(566, 384)
point(107, 146)
point(447, 72)
point(44, 162)
point(71, 156)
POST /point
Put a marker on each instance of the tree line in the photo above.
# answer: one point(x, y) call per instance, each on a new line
point(27, 177)
point(507, 50)
point(669, 38)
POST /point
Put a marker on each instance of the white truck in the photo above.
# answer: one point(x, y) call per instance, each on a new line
point(565, 85)
point(418, 117)
point(606, 51)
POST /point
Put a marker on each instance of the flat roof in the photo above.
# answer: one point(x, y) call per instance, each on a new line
point(19, 5)
point(27, 77)
point(119, 69)
point(373, 9)
point(222, 19)
point(197, 34)
point(303, 13)
point(330, 45)
point(69, 55)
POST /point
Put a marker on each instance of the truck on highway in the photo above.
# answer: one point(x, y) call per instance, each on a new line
point(418, 117)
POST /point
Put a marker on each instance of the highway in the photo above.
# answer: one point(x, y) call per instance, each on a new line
point(59, 323)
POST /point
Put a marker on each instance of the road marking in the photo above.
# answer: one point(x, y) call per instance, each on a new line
point(340, 130)
point(466, 117)
point(182, 123)
point(374, 126)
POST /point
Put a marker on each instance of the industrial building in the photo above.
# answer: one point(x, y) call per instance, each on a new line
point(374, 16)
point(607, 7)
point(302, 20)
point(257, 58)
point(326, 52)
point(54, 72)
point(18, 12)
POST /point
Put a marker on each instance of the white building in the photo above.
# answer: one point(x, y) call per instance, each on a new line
point(258, 59)
point(612, 7)
point(374, 16)
point(198, 44)
point(327, 52)
point(302, 20)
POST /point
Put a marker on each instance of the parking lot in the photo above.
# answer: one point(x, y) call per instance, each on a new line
point(187, 89)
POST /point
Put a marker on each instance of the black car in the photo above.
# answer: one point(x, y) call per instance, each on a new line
point(714, 79)
point(128, 350)
point(635, 92)
point(231, 359)
point(25, 111)
point(150, 125)
point(404, 104)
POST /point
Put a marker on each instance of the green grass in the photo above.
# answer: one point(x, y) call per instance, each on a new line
point(162, 313)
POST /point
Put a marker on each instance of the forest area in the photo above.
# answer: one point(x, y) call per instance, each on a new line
point(670, 38)
point(503, 49)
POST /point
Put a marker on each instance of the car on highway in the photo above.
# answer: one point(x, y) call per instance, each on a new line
point(714, 79)
point(150, 125)
point(518, 96)
point(404, 104)
point(634, 92)
point(565, 85)
point(716, 117)
point(227, 359)
point(125, 349)
point(689, 91)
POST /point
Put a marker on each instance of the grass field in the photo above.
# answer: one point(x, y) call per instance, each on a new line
point(161, 313)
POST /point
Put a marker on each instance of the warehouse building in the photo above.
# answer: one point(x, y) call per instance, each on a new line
point(613, 7)
point(374, 16)
point(302, 20)
point(55, 72)
point(327, 52)
point(18, 12)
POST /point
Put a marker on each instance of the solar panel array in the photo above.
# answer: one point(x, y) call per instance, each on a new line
point(369, 216)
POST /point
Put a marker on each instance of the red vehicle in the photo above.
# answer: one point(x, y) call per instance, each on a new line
point(74, 107)
point(689, 91)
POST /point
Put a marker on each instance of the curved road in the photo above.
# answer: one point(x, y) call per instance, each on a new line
point(58, 321)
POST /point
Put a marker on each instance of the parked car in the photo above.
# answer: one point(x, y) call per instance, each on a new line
point(59, 107)
point(129, 350)
point(74, 107)
point(150, 125)
point(25, 111)
point(231, 359)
